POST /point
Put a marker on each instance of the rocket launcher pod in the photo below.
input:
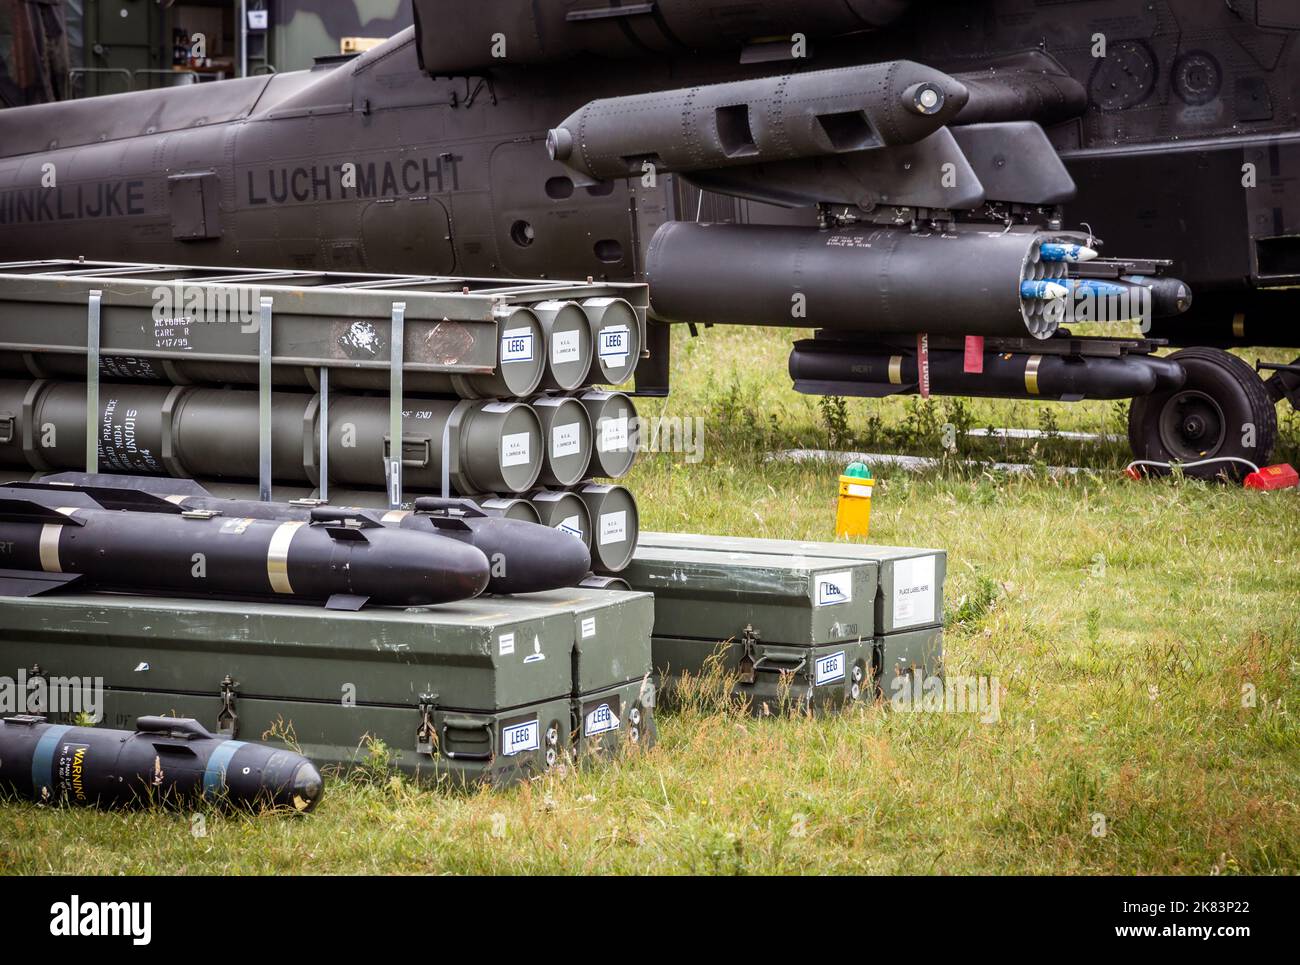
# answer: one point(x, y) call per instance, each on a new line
point(880, 280)
point(339, 557)
point(165, 761)
point(759, 121)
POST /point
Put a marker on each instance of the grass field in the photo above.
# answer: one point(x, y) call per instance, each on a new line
point(1146, 637)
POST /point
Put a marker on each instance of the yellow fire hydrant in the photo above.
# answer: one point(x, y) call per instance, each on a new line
point(853, 518)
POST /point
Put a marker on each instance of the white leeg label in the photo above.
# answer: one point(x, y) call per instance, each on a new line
point(614, 344)
point(517, 346)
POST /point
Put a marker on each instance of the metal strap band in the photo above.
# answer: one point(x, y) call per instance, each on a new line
point(1031, 374)
point(277, 556)
point(50, 534)
point(1239, 325)
point(395, 515)
point(896, 370)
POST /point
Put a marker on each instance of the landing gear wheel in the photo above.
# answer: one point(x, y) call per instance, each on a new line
point(1223, 409)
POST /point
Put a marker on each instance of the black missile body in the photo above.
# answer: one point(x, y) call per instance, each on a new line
point(522, 557)
point(165, 761)
point(875, 371)
point(56, 535)
point(525, 557)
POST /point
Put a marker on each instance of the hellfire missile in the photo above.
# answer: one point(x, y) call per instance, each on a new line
point(343, 558)
point(523, 557)
point(1169, 296)
point(165, 761)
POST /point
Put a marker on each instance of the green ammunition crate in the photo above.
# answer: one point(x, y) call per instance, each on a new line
point(714, 595)
point(481, 691)
point(796, 632)
point(775, 679)
point(911, 581)
point(614, 720)
point(899, 654)
point(611, 668)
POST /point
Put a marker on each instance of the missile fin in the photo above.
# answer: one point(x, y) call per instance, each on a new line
point(347, 534)
point(149, 484)
point(113, 498)
point(26, 583)
point(26, 511)
point(346, 601)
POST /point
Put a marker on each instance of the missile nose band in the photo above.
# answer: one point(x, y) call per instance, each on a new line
point(277, 556)
point(214, 777)
point(43, 760)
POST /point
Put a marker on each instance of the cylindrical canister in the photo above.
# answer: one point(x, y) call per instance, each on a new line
point(616, 433)
point(569, 344)
point(566, 438)
point(564, 511)
point(185, 431)
point(615, 526)
point(617, 335)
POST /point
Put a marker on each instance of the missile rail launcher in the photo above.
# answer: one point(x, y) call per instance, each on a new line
point(242, 375)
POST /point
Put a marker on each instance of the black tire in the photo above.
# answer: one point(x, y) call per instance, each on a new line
point(1207, 418)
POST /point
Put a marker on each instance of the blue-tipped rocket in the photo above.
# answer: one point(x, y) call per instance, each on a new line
point(165, 761)
point(1056, 251)
point(1046, 288)
point(1096, 287)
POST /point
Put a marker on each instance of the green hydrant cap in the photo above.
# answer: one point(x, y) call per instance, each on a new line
point(858, 470)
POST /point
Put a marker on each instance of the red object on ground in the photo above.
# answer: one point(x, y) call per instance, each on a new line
point(1134, 473)
point(1273, 477)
